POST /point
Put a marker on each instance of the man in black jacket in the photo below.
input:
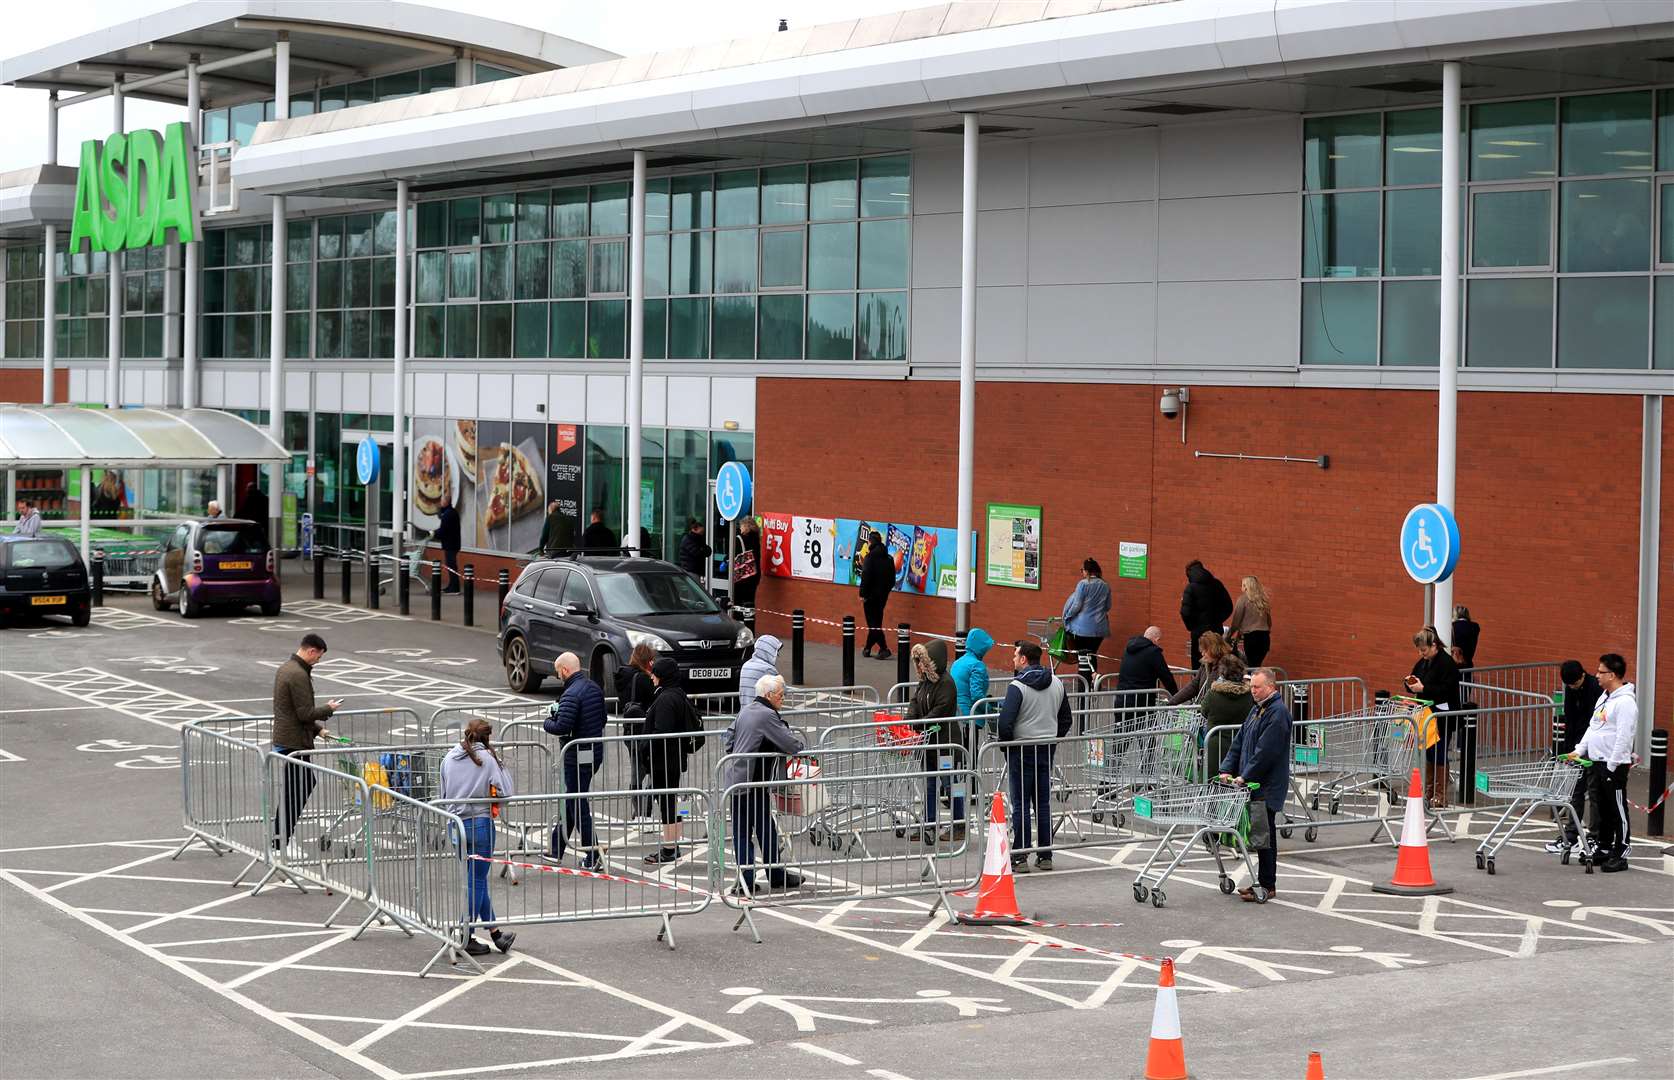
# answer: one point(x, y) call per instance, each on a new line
point(877, 581)
point(1143, 664)
point(579, 713)
point(1581, 694)
point(597, 537)
point(694, 553)
point(447, 536)
point(1204, 605)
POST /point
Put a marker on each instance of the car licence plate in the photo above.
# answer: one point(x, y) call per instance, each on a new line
point(48, 601)
point(710, 673)
point(242, 564)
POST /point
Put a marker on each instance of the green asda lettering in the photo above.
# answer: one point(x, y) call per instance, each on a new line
point(132, 189)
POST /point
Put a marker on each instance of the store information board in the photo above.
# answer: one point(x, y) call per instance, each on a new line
point(1013, 546)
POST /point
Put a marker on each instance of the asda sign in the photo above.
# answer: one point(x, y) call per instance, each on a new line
point(132, 189)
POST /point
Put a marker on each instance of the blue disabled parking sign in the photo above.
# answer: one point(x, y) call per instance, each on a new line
point(1430, 543)
point(367, 460)
point(732, 491)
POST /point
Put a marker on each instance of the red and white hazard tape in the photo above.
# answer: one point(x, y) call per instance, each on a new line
point(597, 875)
point(1660, 800)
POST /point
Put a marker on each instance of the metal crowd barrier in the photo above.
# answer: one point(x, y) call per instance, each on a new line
point(419, 873)
point(320, 831)
point(1540, 677)
point(223, 787)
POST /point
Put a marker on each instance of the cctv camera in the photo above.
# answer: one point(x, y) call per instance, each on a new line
point(1171, 402)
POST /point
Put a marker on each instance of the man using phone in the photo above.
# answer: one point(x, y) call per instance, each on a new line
point(297, 722)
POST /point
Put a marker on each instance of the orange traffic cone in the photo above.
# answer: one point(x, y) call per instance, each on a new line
point(996, 897)
point(1316, 1067)
point(1166, 1059)
point(1412, 859)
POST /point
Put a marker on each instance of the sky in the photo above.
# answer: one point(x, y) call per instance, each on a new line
point(622, 26)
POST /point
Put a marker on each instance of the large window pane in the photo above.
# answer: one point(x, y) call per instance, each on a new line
point(357, 283)
point(883, 254)
point(656, 329)
point(498, 214)
point(569, 269)
point(1411, 323)
point(328, 335)
point(689, 265)
point(656, 264)
point(885, 186)
point(462, 275)
point(462, 331)
point(1412, 145)
point(431, 274)
point(735, 327)
point(832, 187)
point(1509, 323)
point(1606, 133)
point(383, 283)
point(1342, 151)
point(831, 327)
point(1340, 235)
point(568, 325)
point(1513, 140)
point(656, 205)
point(606, 452)
point(607, 329)
point(1412, 232)
point(610, 267)
point(531, 215)
point(881, 329)
point(1603, 322)
point(494, 333)
point(1511, 228)
point(432, 224)
point(383, 233)
point(735, 198)
point(530, 280)
point(691, 202)
point(784, 194)
point(569, 212)
point(328, 240)
point(688, 329)
point(780, 328)
point(1667, 243)
point(1339, 323)
point(735, 261)
point(430, 324)
point(358, 231)
point(610, 209)
point(466, 220)
point(1663, 354)
point(496, 273)
point(831, 256)
point(1605, 225)
point(781, 258)
point(357, 340)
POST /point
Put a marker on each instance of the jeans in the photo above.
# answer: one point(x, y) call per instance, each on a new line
point(1267, 859)
point(933, 785)
point(578, 777)
point(299, 784)
point(874, 610)
point(752, 821)
point(1256, 644)
point(479, 840)
point(1030, 768)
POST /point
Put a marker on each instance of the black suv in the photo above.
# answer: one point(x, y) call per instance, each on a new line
point(43, 575)
point(600, 606)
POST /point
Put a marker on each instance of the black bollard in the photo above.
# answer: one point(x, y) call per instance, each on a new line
point(374, 570)
point(403, 588)
point(504, 587)
point(1467, 763)
point(750, 618)
point(435, 592)
point(903, 652)
point(98, 576)
point(1659, 782)
point(958, 644)
point(319, 575)
point(348, 580)
point(799, 631)
point(468, 597)
point(848, 650)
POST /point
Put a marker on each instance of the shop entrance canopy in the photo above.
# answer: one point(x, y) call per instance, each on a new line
point(66, 437)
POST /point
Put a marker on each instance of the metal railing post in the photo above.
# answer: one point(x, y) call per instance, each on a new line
point(435, 592)
point(468, 599)
point(903, 651)
point(98, 578)
point(799, 632)
point(1467, 764)
point(503, 587)
point(319, 575)
point(1659, 782)
point(372, 571)
point(348, 577)
point(403, 588)
point(848, 650)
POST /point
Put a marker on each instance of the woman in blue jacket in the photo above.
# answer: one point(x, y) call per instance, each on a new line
point(1087, 611)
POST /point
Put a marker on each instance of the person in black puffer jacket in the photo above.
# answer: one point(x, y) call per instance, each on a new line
point(1435, 678)
point(676, 726)
point(1204, 605)
point(1143, 665)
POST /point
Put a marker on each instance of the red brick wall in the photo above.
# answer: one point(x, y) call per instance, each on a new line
point(1547, 491)
point(22, 386)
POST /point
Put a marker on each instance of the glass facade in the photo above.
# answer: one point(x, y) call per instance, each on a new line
point(25, 306)
point(239, 122)
point(1567, 221)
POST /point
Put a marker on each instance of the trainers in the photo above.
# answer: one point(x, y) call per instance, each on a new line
point(592, 863)
point(1613, 866)
point(1558, 847)
point(1020, 865)
point(473, 947)
point(1043, 862)
point(503, 940)
point(663, 855)
point(791, 880)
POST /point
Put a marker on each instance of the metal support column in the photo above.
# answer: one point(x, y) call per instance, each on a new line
point(1447, 386)
point(113, 283)
point(49, 334)
point(967, 373)
point(194, 254)
point(1650, 557)
point(86, 512)
point(276, 314)
point(397, 458)
point(636, 351)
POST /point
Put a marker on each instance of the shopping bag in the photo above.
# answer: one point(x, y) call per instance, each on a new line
point(797, 796)
point(1058, 646)
point(744, 566)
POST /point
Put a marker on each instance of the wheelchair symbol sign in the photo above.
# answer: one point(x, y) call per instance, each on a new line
point(1429, 543)
point(732, 491)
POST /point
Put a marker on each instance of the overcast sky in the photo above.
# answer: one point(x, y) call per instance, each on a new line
point(622, 26)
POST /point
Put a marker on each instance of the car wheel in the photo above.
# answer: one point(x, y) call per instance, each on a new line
point(270, 607)
point(159, 599)
point(603, 672)
point(82, 618)
point(189, 608)
point(520, 672)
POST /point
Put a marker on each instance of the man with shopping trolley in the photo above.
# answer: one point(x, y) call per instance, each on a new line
point(1260, 755)
point(1608, 744)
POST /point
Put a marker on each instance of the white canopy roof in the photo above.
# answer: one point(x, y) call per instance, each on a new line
point(64, 436)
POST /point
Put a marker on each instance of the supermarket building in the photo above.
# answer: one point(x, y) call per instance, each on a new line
point(1234, 204)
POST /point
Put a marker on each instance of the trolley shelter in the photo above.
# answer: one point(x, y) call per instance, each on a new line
point(97, 469)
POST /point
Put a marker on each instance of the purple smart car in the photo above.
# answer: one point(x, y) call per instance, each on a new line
point(217, 561)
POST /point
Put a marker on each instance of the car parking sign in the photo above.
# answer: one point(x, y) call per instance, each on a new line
point(732, 491)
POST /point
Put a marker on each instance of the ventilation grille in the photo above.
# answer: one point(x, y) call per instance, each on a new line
point(982, 129)
point(1174, 108)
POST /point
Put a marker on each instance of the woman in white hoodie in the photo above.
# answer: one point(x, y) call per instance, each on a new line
point(472, 774)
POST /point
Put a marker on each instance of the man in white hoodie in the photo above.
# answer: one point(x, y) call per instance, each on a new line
point(1608, 743)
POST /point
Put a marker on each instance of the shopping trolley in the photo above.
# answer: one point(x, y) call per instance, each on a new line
point(1053, 637)
point(1362, 755)
point(1529, 785)
point(1121, 764)
point(884, 796)
point(1214, 813)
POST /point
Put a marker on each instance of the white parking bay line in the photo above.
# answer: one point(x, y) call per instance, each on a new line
point(1552, 1069)
point(129, 697)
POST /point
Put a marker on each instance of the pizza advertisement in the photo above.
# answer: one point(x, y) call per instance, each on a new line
point(493, 440)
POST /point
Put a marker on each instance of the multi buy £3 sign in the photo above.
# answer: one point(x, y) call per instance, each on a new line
point(132, 189)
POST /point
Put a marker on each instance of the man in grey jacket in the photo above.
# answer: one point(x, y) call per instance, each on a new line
point(764, 661)
point(1036, 708)
point(759, 729)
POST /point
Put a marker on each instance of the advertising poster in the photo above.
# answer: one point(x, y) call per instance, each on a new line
point(1131, 560)
point(460, 437)
point(493, 439)
point(564, 452)
point(899, 539)
point(436, 470)
point(522, 480)
point(776, 544)
point(1013, 546)
point(812, 542)
point(851, 549)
